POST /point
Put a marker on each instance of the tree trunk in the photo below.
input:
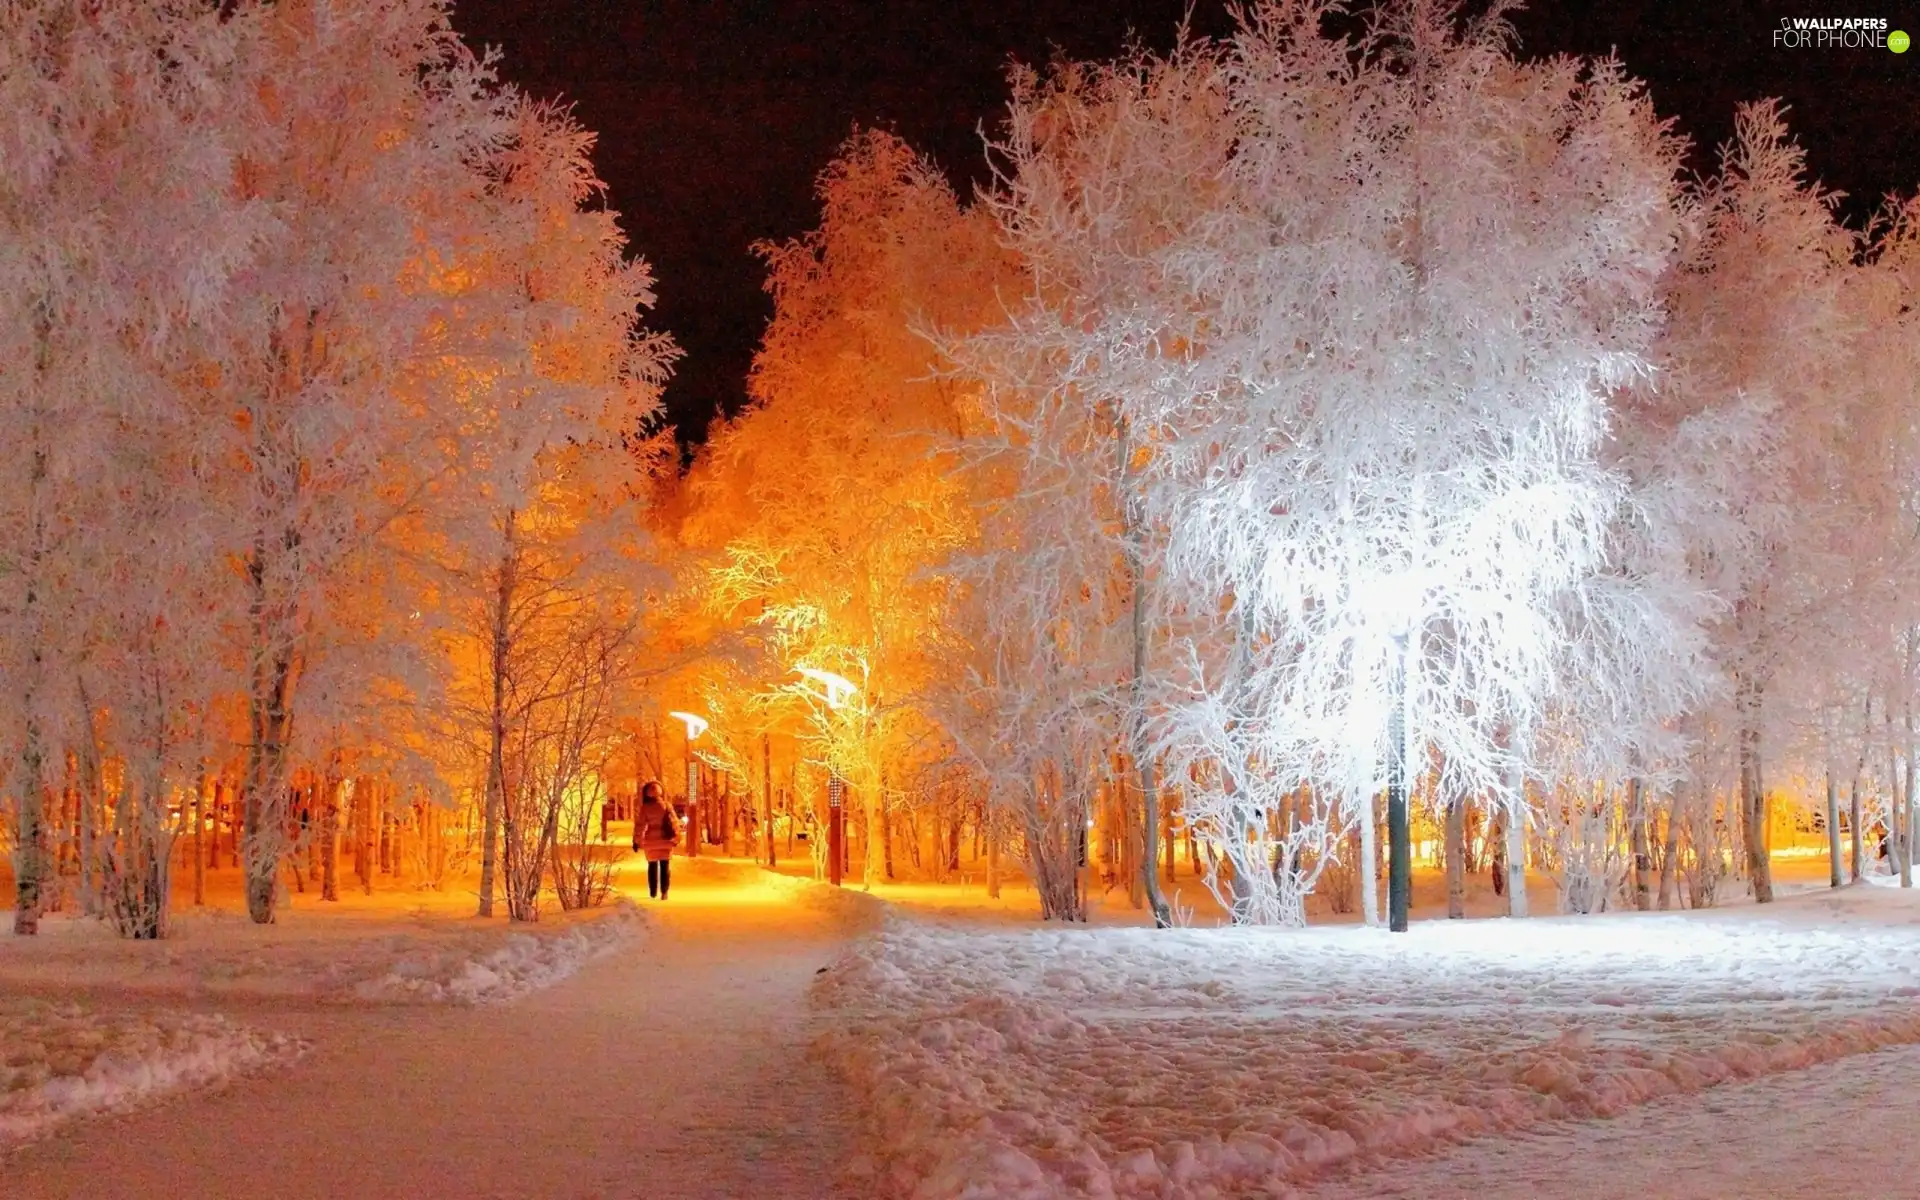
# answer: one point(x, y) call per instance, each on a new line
point(369, 814)
point(330, 838)
point(1641, 845)
point(871, 836)
point(886, 831)
point(1833, 832)
point(501, 644)
point(1167, 838)
point(1906, 833)
point(1399, 833)
point(263, 802)
point(1456, 857)
point(1857, 856)
point(30, 857)
point(1670, 851)
point(993, 851)
point(1137, 748)
point(31, 860)
point(1497, 848)
point(1753, 796)
point(199, 849)
point(766, 796)
point(1516, 826)
point(1369, 862)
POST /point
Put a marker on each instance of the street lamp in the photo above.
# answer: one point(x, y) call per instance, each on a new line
point(839, 690)
point(695, 725)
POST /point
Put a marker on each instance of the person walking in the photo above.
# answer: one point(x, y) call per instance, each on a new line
point(655, 834)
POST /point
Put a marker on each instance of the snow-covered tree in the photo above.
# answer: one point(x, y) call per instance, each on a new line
point(1373, 370)
point(824, 509)
point(1762, 355)
point(116, 239)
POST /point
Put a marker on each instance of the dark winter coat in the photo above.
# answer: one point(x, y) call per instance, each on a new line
point(654, 831)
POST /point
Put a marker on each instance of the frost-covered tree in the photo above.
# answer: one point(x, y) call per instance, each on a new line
point(1763, 350)
point(824, 509)
point(540, 526)
point(345, 369)
point(1133, 151)
point(1373, 370)
point(116, 240)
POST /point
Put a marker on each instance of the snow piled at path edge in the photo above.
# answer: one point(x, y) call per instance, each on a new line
point(63, 1062)
point(1127, 1063)
point(524, 962)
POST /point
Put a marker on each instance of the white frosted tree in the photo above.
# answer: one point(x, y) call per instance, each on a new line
point(117, 238)
point(539, 530)
point(1763, 348)
point(1374, 372)
point(344, 371)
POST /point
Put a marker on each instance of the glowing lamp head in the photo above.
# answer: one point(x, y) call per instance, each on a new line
point(696, 724)
point(839, 688)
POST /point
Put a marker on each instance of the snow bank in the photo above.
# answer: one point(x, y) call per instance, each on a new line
point(62, 1062)
point(418, 956)
point(1192, 1063)
point(526, 962)
point(850, 905)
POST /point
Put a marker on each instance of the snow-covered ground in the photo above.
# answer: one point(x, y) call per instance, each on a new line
point(393, 947)
point(674, 1068)
point(1841, 1129)
point(59, 1062)
point(92, 1023)
point(1193, 1063)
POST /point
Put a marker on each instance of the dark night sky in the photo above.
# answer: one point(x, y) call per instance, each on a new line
point(715, 115)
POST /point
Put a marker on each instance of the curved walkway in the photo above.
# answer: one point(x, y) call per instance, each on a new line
point(674, 1068)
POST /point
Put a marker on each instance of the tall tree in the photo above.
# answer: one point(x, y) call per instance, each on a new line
point(1373, 365)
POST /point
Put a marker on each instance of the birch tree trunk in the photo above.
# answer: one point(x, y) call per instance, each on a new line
point(1833, 832)
point(1456, 857)
point(1138, 750)
point(199, 849)
point(1670, 851)
point(1497, 848)
point(1516, 843)
point(330, 838)
point(1369, 863)
point(500, 646)
point(1906, 800)
point(993, 850)
point(1857, 853)
point(766, 797)
point(1641, 845)
point(1753, 796)
point(31, 861)
point(263, 799)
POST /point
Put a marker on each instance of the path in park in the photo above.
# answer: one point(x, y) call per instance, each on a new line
point(675, 1067)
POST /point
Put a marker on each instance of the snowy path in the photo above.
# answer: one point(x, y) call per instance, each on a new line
point(674, 1068)
point(1826, 1131)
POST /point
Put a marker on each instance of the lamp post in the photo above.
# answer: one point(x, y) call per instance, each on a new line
point(1399, 836)
point(839, 690)
point(695, 725)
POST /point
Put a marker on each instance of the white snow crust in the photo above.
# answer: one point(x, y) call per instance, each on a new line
point(525, 962)
point(61, 1062)
point(1239, 1062)
point(376, 955)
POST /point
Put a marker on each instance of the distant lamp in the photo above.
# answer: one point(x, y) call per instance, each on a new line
point(696, 724)
point(840, 689)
